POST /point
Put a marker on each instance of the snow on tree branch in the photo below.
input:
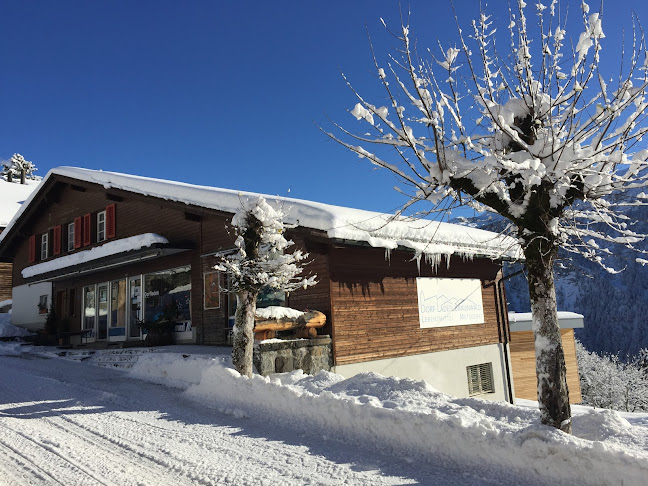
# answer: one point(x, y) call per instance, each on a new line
point(260, 259)
point(538, 128)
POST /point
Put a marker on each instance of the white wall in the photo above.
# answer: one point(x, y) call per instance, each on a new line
point(444, 370)
point(25, 305)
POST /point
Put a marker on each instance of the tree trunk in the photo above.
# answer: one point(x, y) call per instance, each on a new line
point(243, 346)
point(553, 395)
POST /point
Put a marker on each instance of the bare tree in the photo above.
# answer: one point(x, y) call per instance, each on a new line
point(260, 262)
point(537, 135)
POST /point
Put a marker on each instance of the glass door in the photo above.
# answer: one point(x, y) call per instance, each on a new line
point(117, 331)
point(90, 310)
point(102, 312)
point(135, 308)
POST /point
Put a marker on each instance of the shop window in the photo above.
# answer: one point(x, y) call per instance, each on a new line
point(167, 295)
point(70, 237)
point(101, 226)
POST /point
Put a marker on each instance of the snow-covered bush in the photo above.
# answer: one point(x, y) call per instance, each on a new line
point(259, 262)
point(608, 382)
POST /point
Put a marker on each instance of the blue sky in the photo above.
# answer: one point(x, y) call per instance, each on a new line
point(227, 94)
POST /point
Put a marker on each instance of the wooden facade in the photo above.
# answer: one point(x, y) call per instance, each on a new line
point(5, 278)
point(374, 307)
point(523, 363)
point(369, 297)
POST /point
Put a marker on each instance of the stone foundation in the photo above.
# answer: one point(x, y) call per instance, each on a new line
point(310, 355)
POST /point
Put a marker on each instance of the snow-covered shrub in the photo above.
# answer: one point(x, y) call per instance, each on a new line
point(260, 261)
point(608, 382)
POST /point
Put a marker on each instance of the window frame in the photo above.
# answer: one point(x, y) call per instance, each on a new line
point(44, 249)
point(70, 236)
point(101, 226)
point(480, 379)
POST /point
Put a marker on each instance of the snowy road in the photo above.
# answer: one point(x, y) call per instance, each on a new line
point(74, 424)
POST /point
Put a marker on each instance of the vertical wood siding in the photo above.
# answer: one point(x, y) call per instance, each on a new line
point(523, 364)
point(375, 305)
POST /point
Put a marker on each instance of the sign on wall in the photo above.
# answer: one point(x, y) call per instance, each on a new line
point(446, 302)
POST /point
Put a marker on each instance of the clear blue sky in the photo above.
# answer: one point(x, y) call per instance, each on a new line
point(219, 93)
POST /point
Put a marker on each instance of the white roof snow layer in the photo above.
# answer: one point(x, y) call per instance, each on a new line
point(12, 195)
point(429, 238)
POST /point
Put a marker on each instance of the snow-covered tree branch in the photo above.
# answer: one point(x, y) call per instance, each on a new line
point(539, 134)
point(18, 167)
point(260, 261)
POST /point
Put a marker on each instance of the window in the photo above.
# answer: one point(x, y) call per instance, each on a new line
point(70, 237)
point(42, 304)
point(480, 379)
point(89, 309)
point(101, 226)
point(44, 246)
point(167, 295)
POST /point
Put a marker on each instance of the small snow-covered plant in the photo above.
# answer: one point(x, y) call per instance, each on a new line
point(535, 132)
point(259, 262)
point(17, 166)
point(608, 382)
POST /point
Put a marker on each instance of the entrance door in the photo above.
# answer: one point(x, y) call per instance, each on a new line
point(102, 312)
point(89, 310)
point(135, 308)
point(117, 330)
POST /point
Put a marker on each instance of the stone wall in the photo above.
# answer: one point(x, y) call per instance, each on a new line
point(310, 355)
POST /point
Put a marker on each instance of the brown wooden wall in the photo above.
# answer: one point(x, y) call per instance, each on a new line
point(5, 281)
point(523, 364)
point(375, 306)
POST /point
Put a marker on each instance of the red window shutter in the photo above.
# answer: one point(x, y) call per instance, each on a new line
point(32, 248)
point(78, 239)
point(87, 229)
point(110, 221)
point(57, 240)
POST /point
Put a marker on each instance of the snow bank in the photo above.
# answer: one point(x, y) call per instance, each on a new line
point(412, 419)
point(111, 248)
point(9, 330)
point(12, 349)
point(430, 238)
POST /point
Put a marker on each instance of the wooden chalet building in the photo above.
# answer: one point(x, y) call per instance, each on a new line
point(109, 251)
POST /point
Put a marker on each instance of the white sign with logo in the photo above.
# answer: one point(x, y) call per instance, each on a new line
point(446, 302)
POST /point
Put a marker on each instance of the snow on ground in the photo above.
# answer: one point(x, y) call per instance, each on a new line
point(320, 429)
point(9, 330)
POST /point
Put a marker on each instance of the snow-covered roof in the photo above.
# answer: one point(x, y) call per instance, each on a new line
point(522, 321)
point(107, 249)
point(425, 237)
point(12, 195)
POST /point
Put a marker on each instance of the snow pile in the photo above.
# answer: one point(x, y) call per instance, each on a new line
point(12, 195)
point(278, 312)
point(429, 238)
point(112, 248)
point(11, 349)
point(412, 419)
point(7, 329)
